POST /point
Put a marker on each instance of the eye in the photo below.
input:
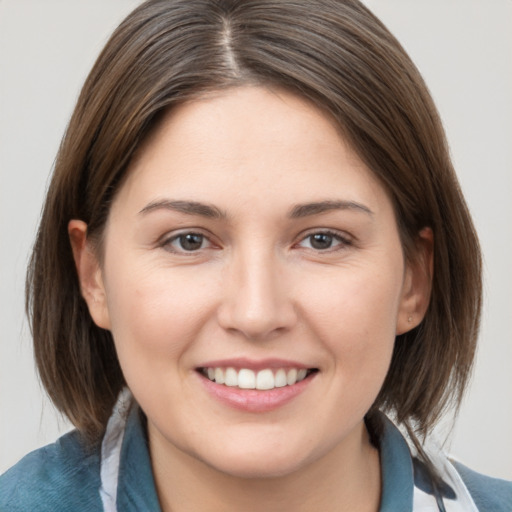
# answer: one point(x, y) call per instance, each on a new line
point(187, 242)
point(324, 241)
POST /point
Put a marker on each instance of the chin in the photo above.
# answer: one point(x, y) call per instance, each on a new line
point(257, 470)
point(266, 463)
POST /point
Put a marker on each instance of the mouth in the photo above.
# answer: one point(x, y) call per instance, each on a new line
point(264, 379)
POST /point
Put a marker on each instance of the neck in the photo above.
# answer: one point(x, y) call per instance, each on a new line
point(347, 478)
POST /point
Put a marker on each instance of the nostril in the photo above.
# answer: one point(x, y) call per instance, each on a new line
point(256, 306)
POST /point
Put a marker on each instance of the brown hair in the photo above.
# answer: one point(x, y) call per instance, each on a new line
point(339, 56)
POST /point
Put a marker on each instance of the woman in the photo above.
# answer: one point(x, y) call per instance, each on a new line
point(254, 243)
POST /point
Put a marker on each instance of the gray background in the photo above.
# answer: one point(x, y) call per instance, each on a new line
point(462, 47)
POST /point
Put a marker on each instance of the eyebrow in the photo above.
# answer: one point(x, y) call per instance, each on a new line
point(212, 212)
point(187, 207)
point(316, 208)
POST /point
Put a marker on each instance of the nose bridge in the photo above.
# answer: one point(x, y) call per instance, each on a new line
point(257, 301)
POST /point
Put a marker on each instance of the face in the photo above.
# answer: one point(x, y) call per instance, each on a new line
point(254, 281)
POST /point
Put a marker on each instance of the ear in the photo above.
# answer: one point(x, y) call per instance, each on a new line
point(89, 273)
point(417, 285)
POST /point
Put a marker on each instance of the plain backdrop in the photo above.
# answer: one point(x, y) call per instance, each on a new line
point(462, 47)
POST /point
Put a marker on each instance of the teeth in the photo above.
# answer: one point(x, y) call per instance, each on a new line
point(280, 379)
point(262, 380)
point(301, 374)
point(291, 377)
point(246, 379)
point(265, 380)
point(219, 375)
point(231, 377)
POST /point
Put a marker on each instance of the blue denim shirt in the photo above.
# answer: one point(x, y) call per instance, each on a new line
point(65, 476)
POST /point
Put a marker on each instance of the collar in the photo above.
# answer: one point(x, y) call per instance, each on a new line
point(128, 483)
point(136, 486)
point(396, 470)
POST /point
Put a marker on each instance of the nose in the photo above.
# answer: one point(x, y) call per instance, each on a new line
point(256, 300)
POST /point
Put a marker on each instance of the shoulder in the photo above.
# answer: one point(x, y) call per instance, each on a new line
point(61, 476)
point(488, 493)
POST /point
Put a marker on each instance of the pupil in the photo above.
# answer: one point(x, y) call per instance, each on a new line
point(191, 241)
point(321, 241)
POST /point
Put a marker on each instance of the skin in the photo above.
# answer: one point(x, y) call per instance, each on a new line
point(257, 287)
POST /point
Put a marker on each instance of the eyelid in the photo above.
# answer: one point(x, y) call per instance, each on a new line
point(165, 240)
point(344, 238)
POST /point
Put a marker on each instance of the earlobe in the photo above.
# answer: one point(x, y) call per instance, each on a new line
point(89, 273)
point(417, 286)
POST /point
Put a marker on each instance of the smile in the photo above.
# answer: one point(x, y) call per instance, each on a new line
point(263, 380)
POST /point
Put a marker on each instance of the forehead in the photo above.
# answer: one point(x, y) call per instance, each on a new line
point(247, 142)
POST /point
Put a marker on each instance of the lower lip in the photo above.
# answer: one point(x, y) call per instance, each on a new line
point(252, 400)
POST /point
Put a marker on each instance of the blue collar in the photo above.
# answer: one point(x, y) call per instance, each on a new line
point(137, 491)
point(396, 470)
point(136, 487)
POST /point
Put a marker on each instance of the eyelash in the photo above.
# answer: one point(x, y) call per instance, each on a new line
point(342, 241)
point(167, 242)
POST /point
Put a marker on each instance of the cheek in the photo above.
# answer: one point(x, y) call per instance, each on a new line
point(355, 300)
point(354, 314)
point(155, 313)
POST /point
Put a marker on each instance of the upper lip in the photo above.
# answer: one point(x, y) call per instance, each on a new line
point(254, 364)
